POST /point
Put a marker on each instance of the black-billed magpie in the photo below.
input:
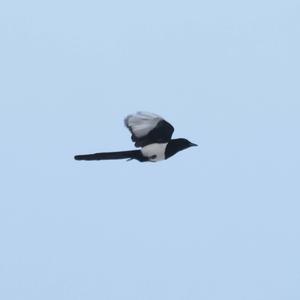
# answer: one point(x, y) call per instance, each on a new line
point(152, 134)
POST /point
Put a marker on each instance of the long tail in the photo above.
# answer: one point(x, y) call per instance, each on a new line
point(134, 154)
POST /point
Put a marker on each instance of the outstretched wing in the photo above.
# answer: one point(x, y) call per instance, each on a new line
point(147, 128)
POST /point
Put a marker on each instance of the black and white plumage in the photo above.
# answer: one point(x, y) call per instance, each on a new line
point(150, 132)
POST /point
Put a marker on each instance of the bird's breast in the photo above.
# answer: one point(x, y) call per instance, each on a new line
point(155, 152)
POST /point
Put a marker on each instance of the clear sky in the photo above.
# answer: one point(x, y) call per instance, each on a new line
point(220, 221)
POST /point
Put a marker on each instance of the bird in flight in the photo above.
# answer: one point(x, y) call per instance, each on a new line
point(152, 134)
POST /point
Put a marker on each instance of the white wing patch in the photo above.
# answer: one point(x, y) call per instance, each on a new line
point(142, 123)
point(155, 152)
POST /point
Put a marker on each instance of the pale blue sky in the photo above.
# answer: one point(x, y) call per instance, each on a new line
point(220, 221)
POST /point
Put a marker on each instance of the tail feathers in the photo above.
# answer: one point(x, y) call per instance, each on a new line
point(134, 154)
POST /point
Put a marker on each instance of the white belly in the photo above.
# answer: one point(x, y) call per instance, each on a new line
point(155, 152)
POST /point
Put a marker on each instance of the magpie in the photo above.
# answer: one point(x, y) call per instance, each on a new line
point(149, 132)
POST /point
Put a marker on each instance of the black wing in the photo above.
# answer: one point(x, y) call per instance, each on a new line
point(148, 128)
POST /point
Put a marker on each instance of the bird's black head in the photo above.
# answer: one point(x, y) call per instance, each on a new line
point(183, 143)
point(177, 145)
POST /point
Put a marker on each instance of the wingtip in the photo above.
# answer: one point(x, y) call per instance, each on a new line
point(126, 121)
